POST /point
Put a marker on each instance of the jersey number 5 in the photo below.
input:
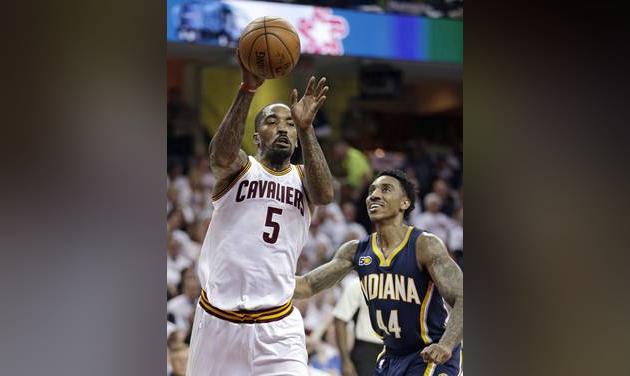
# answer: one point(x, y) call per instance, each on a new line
point(275, 226)
point(392, 327)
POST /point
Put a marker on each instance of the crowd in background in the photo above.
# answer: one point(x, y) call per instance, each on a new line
point(451, 9)
point(433, 163)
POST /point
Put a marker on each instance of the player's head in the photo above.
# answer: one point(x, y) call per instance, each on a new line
point(275, 133)
point(433, 202)
point(390, 196)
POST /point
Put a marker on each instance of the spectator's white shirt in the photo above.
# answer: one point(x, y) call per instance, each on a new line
point(181, 308)
point(172, 277)
point(174, 267)
point(184, 193)
point(334, 226)
point(456, 238)
point(354, 231)
point(350, 301)
point(437, 223)
point(313, 243)
point(317, 318)
point(192, 250)
point(189, 248)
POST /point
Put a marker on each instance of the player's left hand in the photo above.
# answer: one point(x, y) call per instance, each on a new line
point(303, 111)
point(436, 353)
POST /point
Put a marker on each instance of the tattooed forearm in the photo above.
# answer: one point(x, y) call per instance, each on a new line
point(448, 279)
point(225, 145)
point(325, 276)
point(454, 332)
point(318, 177)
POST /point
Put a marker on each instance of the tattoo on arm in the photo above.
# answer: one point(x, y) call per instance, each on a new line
point(226, 157)
point(448, 279)
point(325, 276)
point(318, 177)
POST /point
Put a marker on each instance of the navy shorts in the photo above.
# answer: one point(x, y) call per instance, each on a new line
point(413, 365)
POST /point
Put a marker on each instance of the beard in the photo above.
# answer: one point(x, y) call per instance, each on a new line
point(278, 156)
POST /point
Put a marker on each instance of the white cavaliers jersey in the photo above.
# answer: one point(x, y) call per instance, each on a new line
point(258, 228)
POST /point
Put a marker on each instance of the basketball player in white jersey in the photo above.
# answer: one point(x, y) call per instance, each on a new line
point(245, 323)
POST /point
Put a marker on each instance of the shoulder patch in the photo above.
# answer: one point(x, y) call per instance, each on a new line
point(365, 260)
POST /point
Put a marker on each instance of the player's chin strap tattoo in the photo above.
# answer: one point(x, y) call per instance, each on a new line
point(447, 276)
point(318, 177)
point(326, 275)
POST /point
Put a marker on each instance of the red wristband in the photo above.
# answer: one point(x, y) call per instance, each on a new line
point(246, 88)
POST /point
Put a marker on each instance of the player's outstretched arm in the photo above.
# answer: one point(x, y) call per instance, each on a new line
point(318, 180)
point(226, 156)
point(325, 276)
point(447, 276)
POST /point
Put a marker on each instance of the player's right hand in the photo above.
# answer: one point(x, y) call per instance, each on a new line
point(347, 368)
point(435, 353)
point(249, 79)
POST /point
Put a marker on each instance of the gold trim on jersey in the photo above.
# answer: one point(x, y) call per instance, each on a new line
point(240, 174)
point(429, 370)
point(424, 331)
point(380, 354)
point(274, 172)
point(387, 261)
point(461, 358)
point(245, 316)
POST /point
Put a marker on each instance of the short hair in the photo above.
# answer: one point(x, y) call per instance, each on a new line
point(408, 186)
point(259, 116)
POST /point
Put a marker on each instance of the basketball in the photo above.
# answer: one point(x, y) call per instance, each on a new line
point(269, 47)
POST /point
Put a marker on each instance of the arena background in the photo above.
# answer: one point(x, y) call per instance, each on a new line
point(395, 101)
point(83, 188)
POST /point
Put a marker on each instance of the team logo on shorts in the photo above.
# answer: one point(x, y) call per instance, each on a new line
point(365, 260)
point(442, 374)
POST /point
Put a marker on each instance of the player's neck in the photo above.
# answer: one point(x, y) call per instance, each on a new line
point(274, 165)
point(389, 235)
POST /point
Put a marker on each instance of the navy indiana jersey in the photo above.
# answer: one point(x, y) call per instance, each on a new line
point(405, 307)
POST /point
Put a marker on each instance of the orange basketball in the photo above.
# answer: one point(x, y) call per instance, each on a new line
point(269, 47)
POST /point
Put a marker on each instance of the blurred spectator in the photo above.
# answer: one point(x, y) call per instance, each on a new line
point(456, 238)
point(354, 230)
point(364, 344)
point(183, 306)
point(444, 192)
point(332, 223)
point(357, 169)
point(318, 248)
point(175, 263)
point(179, 359)
point(421, 163)
point(177, 354)
point(432, 219)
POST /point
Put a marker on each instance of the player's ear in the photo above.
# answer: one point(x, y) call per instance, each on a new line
point(256, 138)
point(405, 204)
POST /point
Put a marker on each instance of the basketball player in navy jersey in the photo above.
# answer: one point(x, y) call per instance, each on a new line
point(406, 275)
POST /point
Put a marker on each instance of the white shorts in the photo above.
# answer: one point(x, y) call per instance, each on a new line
point(224, 348)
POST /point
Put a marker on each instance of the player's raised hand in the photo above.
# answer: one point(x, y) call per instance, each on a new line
point(303, 111)
point(435, 353)
point(251, 81)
